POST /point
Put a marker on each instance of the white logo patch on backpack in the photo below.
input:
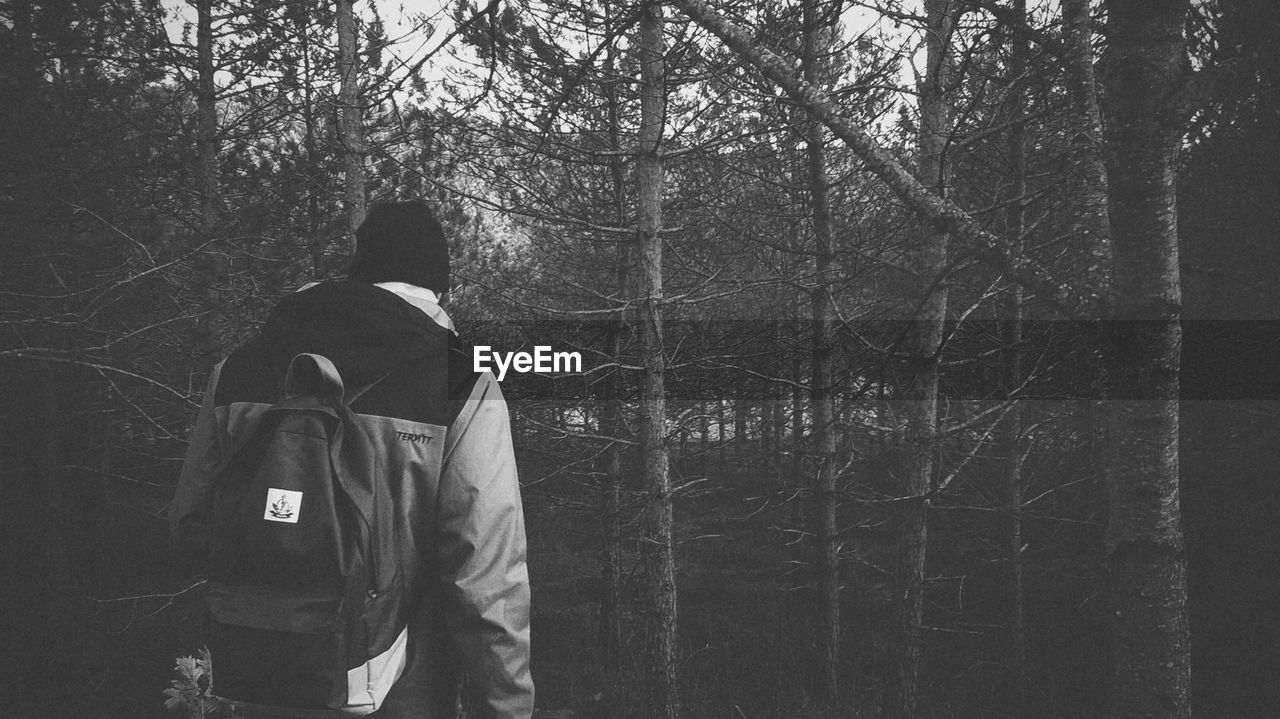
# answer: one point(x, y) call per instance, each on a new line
point(282, 505)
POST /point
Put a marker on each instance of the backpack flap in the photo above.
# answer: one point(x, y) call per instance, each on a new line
point(313, 383)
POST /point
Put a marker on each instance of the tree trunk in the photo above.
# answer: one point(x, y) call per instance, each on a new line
point(924, 336)
point(779, 434)
point(720, 425)
point(610, 540)
point(611, 478)
point(206, 120)
point(740, 413)
point(658, 525)
point(212, 266)
point(766, 432)
point(1009, 434)
point(351, 130)
point(1089, 193)
point(704, 437)
point(827, 579)
point(315, 237)
point(1145, 72)
point(795, 472)
point(63, 595)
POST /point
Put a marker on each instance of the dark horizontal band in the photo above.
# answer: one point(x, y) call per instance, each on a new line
point(764, 360)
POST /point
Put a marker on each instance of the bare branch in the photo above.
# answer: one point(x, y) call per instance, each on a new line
point(937, 210)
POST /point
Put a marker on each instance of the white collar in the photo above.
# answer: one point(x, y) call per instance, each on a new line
point(408, 290)
point(422, 298)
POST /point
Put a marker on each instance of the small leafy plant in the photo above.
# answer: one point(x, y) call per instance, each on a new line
point(192, 691)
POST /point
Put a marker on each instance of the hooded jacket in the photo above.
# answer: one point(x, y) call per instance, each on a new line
point(445, 437)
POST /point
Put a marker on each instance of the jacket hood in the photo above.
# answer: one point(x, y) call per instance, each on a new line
point(364, 330)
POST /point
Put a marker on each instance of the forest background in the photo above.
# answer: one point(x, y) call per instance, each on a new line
point(929, 347)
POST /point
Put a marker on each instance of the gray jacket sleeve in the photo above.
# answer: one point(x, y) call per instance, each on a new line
point(481, 556)
point(189, 510)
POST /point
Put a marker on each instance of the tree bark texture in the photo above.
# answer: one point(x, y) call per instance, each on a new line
point(1092, 226)
point(1009, 433)
point(611, 529)
point(720, 425)
point(796, 509)
point(316, 244)
point(206, 120)
point(827, 584)
point(1145, 73)
point(740, 414)
point(611, 477)
point(350, 124)
point(928, 263)
point(777, 449)
point(212, 267)
point(658, 525)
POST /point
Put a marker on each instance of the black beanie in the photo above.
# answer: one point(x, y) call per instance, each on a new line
point(401, 242)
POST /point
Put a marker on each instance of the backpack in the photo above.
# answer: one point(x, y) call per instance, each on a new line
point(307, 608)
